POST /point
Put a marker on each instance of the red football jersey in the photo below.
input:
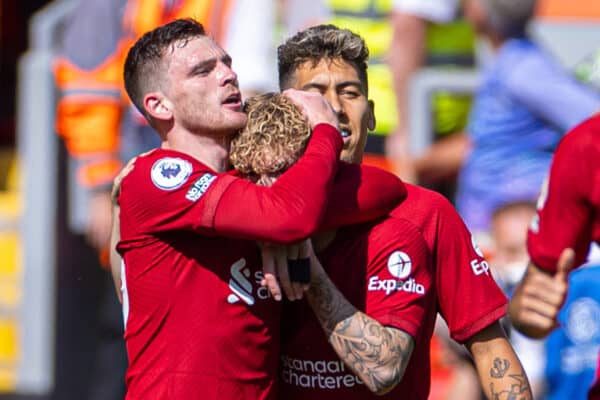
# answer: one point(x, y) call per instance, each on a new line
point(569, 204)
point(198, 325)
point(468, 298)
point(385, 271)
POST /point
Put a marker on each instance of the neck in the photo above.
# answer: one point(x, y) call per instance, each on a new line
point(212, 151)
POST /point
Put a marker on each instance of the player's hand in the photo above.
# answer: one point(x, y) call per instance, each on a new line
point(99, 223)
point(276, 269)
point(115, 258)
point(313, 106)
point(116, 188)
point(539, 297)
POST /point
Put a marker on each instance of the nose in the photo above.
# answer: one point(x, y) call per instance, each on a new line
point(226, 75)
point(336, 104)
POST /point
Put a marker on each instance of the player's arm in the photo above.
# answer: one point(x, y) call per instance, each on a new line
point(500, 371)
point(115, 257)
point(560, 235)
point(377, 354)
point(293, 207)
point(469, 297)
point(361, 193)
point(115, 234)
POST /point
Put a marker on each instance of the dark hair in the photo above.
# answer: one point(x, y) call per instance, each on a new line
point(144, 59)
point(322, 42)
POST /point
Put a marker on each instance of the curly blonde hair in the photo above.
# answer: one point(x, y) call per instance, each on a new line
point(274, 138)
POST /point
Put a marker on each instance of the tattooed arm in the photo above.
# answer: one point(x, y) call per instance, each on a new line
point(378, 355)
point(499, 369)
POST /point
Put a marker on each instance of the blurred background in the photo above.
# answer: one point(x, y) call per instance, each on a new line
point(471, 99)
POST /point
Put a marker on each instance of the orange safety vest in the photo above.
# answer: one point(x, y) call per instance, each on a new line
point(93, 102)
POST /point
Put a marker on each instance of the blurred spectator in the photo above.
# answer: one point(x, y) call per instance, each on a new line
point(508, 261)
point(101, 130)
point(429, 33)
point(573, 348)
point(588, 70)
point(524, 106)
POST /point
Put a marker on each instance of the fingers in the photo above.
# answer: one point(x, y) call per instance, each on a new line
point(537, 301)
point(545, 288)
point(289, 288)
point(270, 272)
point(276, 269)
point(116, 188)
point(314, 107)
point(566, 262)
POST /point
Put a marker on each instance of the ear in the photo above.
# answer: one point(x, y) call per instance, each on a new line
point(371, 122)
point(158, 106)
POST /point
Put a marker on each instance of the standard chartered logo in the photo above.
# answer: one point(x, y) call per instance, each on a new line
point(319, 374)
point(241, 285)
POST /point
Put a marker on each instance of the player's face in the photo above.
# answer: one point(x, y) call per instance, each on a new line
point(202, 88)
point(339, 83)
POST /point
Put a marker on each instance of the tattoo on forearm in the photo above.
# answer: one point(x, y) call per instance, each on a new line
point(378, 355)
point(518, 389)
point(499, 368)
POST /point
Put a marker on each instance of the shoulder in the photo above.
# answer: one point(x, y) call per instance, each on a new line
point(520, 59)
point(162, 172)
point(397, 239)
point(167, 170)
point(583, 136)
point(397, 228)
point(420, 201)
point(580, 146)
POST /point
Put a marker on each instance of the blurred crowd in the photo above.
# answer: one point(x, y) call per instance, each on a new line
point(488, 149)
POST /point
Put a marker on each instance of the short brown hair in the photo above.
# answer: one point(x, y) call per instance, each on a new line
point(274, 138)
point(318, 43)
point(144, 59)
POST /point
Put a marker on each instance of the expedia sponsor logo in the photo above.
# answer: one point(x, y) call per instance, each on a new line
point(245, 286)
point(476, 247)
point(317, 374)
point(395, 285)
point(399, 264)
point(200, 187)
point(480, 267)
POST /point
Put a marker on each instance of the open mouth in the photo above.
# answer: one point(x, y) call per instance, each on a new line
point(345, 133)
point(234, 99)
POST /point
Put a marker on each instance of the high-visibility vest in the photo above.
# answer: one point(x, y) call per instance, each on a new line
point(447, 44)
point(92, 100)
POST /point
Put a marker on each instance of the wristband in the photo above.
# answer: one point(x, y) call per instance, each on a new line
point(299, 270)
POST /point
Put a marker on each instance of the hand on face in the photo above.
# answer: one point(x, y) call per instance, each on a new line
point(314, 107)
point(340, 84)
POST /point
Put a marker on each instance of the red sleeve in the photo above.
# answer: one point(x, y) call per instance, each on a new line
point(293, 207)
point(565, 212)
point(169, 191)
point(400, 278)
point(468, 297)
point(361, 193)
